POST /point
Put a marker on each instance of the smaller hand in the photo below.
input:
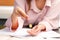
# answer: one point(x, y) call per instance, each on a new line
point(36, 29)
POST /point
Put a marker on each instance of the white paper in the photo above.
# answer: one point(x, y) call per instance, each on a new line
point(48, 34)
point(20, 33)
point(23, 34)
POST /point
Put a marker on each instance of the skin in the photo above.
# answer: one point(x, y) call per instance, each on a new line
point(36, 29)
point(40, 4)
point(19, 12)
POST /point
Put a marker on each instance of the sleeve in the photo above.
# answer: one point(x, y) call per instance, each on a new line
point(51, 19)
point(20, 3)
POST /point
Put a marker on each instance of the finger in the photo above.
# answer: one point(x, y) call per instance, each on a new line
point(19, 14)
point(22, 12)
point(35, 27)
point(16, 13)
point(38, 29)
point(32, 33)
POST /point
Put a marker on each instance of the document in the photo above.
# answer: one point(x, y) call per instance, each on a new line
point(18, 33)
point(22, 33)
point(48, 34)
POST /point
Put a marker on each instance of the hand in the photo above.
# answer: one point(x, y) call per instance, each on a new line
point(36, 29)
point(14, 24)
point(18, 11)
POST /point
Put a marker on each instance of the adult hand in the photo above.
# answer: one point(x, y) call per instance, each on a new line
point(36, 29)
point(18, 11)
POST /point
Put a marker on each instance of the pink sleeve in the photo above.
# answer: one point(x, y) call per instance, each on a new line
point(51, 19)
point(8, 23)
point(20, 3)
